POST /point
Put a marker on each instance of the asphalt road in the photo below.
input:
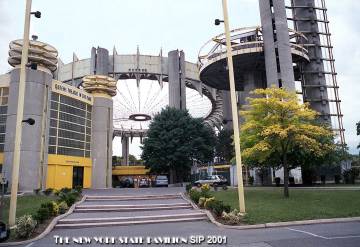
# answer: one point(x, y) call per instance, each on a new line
point(324, 235)
point(204, 233)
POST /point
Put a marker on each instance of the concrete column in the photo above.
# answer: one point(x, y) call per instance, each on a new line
point(99, 61)
point(269, 43)
point(278, 57)
point(227, 116)
point(101, 144)
point(102, 88)
point(125, 149)
point(177, 87)
point(32, 168)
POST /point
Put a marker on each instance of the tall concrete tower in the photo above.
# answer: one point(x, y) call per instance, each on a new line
point(37, 99)
point(318, 76)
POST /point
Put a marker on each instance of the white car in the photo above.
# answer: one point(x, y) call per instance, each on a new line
point(216, 180)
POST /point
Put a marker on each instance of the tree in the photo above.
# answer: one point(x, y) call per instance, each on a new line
point(174, 141)
point(224, 148)
point(275, 126)
point(358, 131)
point(132, 159)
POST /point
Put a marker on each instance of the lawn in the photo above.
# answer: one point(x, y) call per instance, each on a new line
point(26, 205)
point(269, 205)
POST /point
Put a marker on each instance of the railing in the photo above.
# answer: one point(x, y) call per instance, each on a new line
point(248, 45)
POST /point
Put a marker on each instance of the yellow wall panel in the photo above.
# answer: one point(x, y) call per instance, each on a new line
point(1, 158)
point(63, 177)
point(87, 177)
point(50, 177)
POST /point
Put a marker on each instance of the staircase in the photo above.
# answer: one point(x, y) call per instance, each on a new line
point(115, 210)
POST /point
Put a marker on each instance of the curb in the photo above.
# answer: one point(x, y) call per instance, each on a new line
point(275, 224)
point(48, 229)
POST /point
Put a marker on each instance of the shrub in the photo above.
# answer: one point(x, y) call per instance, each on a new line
point(277, 181)
point(350, 175)
point(337, 179)
point(323, 179)
point(56, 192)
point(188, 187)
point(65, 190)
point(205, 190)
point(291, 181)
point(69, 197)
point(52, 207)
point(208, 203)
point(63, 207)
point(25, 226)
point(232, 218)
point(78, 189)
point(48, 191)
point(201, 203)
point(216, 206)
point(251, 180)
point(42, 214)
point(194, 195)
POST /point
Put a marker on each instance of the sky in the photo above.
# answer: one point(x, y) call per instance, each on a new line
point(77, 25)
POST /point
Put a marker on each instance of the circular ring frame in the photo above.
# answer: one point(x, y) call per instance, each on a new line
point(140, 117)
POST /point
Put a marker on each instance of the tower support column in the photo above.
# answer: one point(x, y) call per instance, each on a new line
point(125, 150)
point(177, 87)
point(278, 58)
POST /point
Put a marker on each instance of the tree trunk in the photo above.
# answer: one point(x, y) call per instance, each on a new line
point(286, 176)
point(172, 175)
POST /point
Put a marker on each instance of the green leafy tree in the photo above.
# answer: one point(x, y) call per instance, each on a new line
point(132, 159)
point(174, 141)
point(224, 148)
point(358, 131)
point(275, 126)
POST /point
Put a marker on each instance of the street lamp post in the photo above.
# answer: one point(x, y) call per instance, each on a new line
point(20, 113)
point(234, 109)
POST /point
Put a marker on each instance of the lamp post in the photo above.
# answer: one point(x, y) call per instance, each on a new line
point(234, 109)
point(20, 113)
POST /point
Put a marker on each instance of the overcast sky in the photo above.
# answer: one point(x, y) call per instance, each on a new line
point(77, 25)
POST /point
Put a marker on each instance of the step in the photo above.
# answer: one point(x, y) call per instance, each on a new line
point(131, 205)
point(106, 224)
point(134, 202)
point(132, 218)
point(128, 198)
point(112, 214)
point(129, 209)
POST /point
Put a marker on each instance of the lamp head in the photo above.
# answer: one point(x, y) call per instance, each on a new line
point(217, 22)
point(29, 121)
point(37, 14)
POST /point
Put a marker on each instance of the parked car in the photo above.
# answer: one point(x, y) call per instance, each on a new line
point(214, 180)
point(144, 183)
point(161, 180)
point(127, 182)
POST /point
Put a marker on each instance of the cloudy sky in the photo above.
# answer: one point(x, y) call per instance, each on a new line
point(77, 25)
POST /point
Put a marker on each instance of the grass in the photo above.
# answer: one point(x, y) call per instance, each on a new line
point(269, 205)
point(27, 204)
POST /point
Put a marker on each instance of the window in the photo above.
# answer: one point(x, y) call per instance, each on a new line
point(70, 126)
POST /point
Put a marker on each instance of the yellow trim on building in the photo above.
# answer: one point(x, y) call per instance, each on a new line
point(1, 158)
point(129, 170)
point(216, 167)
point(60, 171)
